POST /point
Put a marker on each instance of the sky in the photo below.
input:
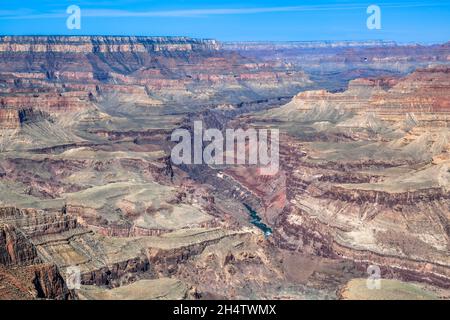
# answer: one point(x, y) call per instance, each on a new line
point(426, 21)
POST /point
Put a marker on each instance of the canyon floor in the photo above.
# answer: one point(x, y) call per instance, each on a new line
point(87, 181)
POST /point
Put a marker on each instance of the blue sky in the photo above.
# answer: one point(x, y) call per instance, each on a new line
point(228, 20)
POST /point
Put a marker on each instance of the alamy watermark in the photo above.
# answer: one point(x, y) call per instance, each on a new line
point(374, 20)
point(74, 19)
point(73, 278)
point(238, 147)
point(373, 282)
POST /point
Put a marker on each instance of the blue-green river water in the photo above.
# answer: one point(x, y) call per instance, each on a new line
point(255, 219)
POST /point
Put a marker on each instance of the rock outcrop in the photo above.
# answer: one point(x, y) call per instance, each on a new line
point(15, 248)
point(41, 281)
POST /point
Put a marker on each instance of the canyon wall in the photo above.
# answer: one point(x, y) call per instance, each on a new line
point(72, 74)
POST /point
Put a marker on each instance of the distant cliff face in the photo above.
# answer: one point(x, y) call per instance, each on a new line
point(305, 45)
point(349, 59)
point(93, 44)
point(425, 92)
point(70, 73)
point(420, 99)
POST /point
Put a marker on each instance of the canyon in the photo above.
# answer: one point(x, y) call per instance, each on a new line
point(87, 180)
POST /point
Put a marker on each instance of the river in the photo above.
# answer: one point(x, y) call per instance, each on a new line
point(256, 220)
